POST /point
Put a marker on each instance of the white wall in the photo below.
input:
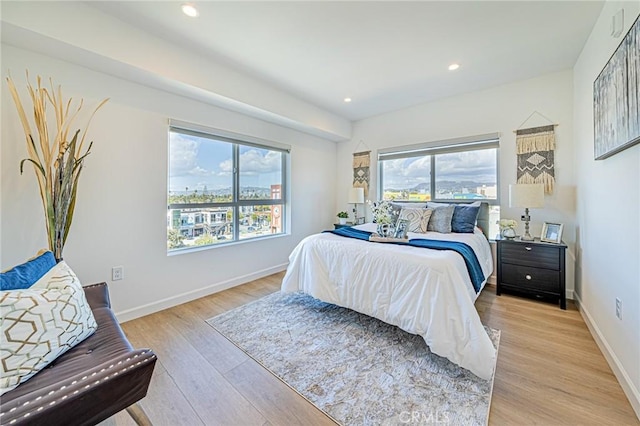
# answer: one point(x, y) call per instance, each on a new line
point(500, 109)
point(120, 215)
point(68, 28)
point(608, 218)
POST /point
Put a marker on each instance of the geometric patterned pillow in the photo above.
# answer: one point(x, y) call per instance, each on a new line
point(396, 209)
point(418, 219)
point(41, 323)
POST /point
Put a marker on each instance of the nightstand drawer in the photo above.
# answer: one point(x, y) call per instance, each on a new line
point(531, 255)
point(531, 278)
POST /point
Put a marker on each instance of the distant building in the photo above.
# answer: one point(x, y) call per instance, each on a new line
point(488, 191)
point(276, 211)
point(193, 223)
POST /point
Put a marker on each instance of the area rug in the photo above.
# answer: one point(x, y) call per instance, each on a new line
point(356, 369)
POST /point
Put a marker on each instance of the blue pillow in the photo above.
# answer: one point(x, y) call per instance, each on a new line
point(25, 275)
point(464, 218)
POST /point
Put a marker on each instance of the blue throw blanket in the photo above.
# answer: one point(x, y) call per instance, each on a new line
point(467, 253)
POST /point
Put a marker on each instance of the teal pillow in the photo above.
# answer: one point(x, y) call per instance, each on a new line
point(25, 275)
point(464, 218)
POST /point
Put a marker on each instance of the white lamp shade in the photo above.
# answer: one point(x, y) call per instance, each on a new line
point(526, 195)
point(356, 196)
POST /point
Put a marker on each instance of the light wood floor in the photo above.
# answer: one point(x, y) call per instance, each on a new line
point(549, 369)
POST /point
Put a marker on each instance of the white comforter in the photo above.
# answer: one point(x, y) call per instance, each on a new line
point(423, 291)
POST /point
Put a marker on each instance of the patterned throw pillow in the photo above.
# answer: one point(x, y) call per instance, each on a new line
point(41, 323)
point(418, 219)
point(441, 219)
point(397, 206)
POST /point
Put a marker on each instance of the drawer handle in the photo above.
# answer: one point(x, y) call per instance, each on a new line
point(527, 248)
point(528, 276)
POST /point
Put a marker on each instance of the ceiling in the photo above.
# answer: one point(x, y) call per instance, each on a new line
point(384, 55)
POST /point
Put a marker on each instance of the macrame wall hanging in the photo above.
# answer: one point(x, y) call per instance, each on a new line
point(361, 166)
point(535, 149)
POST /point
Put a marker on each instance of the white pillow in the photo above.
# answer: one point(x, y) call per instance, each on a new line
point(41, 323)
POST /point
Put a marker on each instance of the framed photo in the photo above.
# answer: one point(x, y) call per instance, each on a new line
point(401, 229)
point(616, 104)
point(552, 232)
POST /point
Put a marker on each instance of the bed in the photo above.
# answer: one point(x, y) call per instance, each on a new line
point(423, 291)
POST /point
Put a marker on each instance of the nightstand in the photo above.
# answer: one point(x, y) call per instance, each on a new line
point(338, 226)
point(532, 268)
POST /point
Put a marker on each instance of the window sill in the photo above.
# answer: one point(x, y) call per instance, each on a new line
point(186, 250)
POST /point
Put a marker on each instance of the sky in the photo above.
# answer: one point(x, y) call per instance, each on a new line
point(198, 162)
point(478, 166)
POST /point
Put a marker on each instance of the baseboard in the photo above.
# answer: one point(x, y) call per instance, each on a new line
point(570, 294)
point(632, 393)
point(130, 314)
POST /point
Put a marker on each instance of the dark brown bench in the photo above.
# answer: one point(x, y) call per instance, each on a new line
point(91, 382)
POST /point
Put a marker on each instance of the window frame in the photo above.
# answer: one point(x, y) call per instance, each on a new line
point(448, 146)
point(236, 141)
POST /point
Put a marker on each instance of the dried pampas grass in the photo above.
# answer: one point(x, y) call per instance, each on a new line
point(57, 161)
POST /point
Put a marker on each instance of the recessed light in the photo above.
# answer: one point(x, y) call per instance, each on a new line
point(453, 67)
point(347, 100)
point(190, 10)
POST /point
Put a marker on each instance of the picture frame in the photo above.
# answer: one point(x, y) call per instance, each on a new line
point(401, 229)
point(616, 104)
point(552, 232)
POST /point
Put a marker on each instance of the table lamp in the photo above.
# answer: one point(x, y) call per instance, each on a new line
point(527, 196)
point(356, 196)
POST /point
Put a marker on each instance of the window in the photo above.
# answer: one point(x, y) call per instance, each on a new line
point(457, 170)
point(223, 188)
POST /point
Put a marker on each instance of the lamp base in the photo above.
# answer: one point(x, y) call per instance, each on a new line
point(527, 236)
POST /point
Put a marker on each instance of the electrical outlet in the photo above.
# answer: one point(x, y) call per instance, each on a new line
point(117, 273)
point(618, 308)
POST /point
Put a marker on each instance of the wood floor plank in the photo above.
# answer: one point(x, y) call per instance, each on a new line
point(212, 397)
point(549, 370)
point(279, 405)
point(207, 341)
point(166, 405)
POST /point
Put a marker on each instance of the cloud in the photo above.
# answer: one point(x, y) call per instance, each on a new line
point(183, 154)
point(260, 161)
point(406, 172)
point(254, 161)
point(184, 151)
point(478, 166)
point(199, 171)
point(226, 167)
point(191, 156)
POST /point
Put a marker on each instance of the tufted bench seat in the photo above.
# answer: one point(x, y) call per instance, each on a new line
point(94, 380)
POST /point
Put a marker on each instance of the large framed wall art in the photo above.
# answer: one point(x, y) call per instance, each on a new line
point(616, 98)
